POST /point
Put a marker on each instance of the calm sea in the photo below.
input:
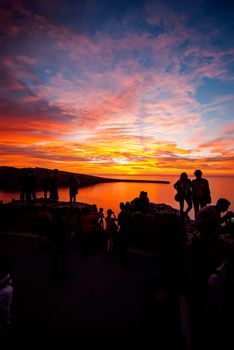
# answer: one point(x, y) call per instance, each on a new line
point(109, 195)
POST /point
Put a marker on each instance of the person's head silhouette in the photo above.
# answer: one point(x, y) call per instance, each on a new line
point(198, 173)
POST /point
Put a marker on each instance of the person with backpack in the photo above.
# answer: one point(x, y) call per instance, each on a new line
point(200, 192)
point(184, 194)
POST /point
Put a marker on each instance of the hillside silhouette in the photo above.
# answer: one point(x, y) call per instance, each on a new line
point(9, 178)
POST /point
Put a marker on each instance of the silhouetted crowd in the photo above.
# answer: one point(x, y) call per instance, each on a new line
point(211, 276)
point(208, 274)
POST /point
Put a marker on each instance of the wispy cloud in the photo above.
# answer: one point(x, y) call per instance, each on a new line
point(125, 99)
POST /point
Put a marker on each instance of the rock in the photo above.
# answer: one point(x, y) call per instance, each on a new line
point(158, 230)
point(22, 217)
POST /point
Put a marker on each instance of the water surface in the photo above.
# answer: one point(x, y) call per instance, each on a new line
point(109, 195)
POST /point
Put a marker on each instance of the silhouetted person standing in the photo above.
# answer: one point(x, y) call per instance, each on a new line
point(100, 217)
point(73, 188)
point(54, 186)
point(200, 192)
point(124, 222)
point(30, 185)
point(46, 183)
point(184, 193)
point(23, 184)
point(33, 183)
point(111, 230)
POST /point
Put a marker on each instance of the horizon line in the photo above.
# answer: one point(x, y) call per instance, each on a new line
point(122, 175)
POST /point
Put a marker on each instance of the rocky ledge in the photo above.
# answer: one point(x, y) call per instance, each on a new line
point(159, 230)
point(159, 227)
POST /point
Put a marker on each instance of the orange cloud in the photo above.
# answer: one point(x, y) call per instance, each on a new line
point(100, 104)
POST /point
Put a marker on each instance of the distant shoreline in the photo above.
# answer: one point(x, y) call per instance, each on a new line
point(97, 182)
point(138, 181)
point(9, 179)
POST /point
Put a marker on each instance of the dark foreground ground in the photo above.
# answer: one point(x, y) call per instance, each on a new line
point(102, 302)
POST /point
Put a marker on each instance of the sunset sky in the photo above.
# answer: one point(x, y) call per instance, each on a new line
point(117, 87)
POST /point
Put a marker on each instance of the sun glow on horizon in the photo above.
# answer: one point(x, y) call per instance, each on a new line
point(133, 90)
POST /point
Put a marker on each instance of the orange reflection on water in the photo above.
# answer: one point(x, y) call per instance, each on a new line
point(109, 195)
